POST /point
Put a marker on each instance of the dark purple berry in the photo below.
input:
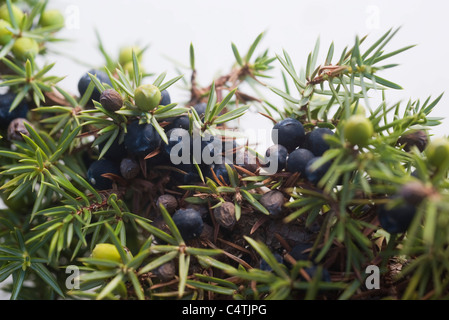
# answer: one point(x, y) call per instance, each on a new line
point(116, 151)
point(85, 80)
point(396, 219)
point(200, 108)
point(315, 175)
point(276, 157)
point(165, 98)
point(6, 116)
point(97, 169)
point(416, 138)
point(189, 223)
point(298, 159)
point(266, 267)
point(315, 141)
point(141, 139)
point(289, 133)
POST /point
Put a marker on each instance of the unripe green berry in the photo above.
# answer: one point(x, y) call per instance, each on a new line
point(106, 251)
point(357, 109)
point(126, 54)
point(5, 34)
point(25, 48)
point(147, 97)
point(52, 18)
point(358, 130)
point(16, 11)
point(438, 152)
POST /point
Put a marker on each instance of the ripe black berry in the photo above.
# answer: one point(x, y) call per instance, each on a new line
point(315, 141)
point(97, 169)
point(289, 133)
point(85, 80)
point(165, 98)
point(5, 115)
point(115, 152)
point(179, 142)
point(200, 108)
point(141, 139)
point(396, 219)
point(179, 122)
point(266, 267)
point(315, 175)
point(276, 157)
point(189, 223)
point(298, 159)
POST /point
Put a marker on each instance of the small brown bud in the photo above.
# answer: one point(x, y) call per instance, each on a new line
point(168, 201)
point(225, 215)
point(16, 128)
point(111, 100)
point(129, 168)
point(416, 138)
point(273, 201)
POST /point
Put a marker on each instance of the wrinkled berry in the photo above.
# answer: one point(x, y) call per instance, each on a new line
point(169, 202)
point(97, 169)
point(111, 100)
point(415, 138)
point(298, 159)
point(273, 201)
point(141, 139)
point(225, 215)
point(189, 223)
point(289, 133)
point(17, 128)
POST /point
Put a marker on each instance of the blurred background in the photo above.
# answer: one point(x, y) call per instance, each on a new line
point(169, 26)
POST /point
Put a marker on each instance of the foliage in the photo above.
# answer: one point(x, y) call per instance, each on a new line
point(54, 217)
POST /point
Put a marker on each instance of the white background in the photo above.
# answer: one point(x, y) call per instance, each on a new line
point(169, 26)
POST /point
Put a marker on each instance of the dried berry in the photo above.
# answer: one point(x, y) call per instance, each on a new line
point(166, 271)
point(17, 128)
point(225, 215)
point(273, 201)
point(169, 202)
point(417, 138)
point(111, 100)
